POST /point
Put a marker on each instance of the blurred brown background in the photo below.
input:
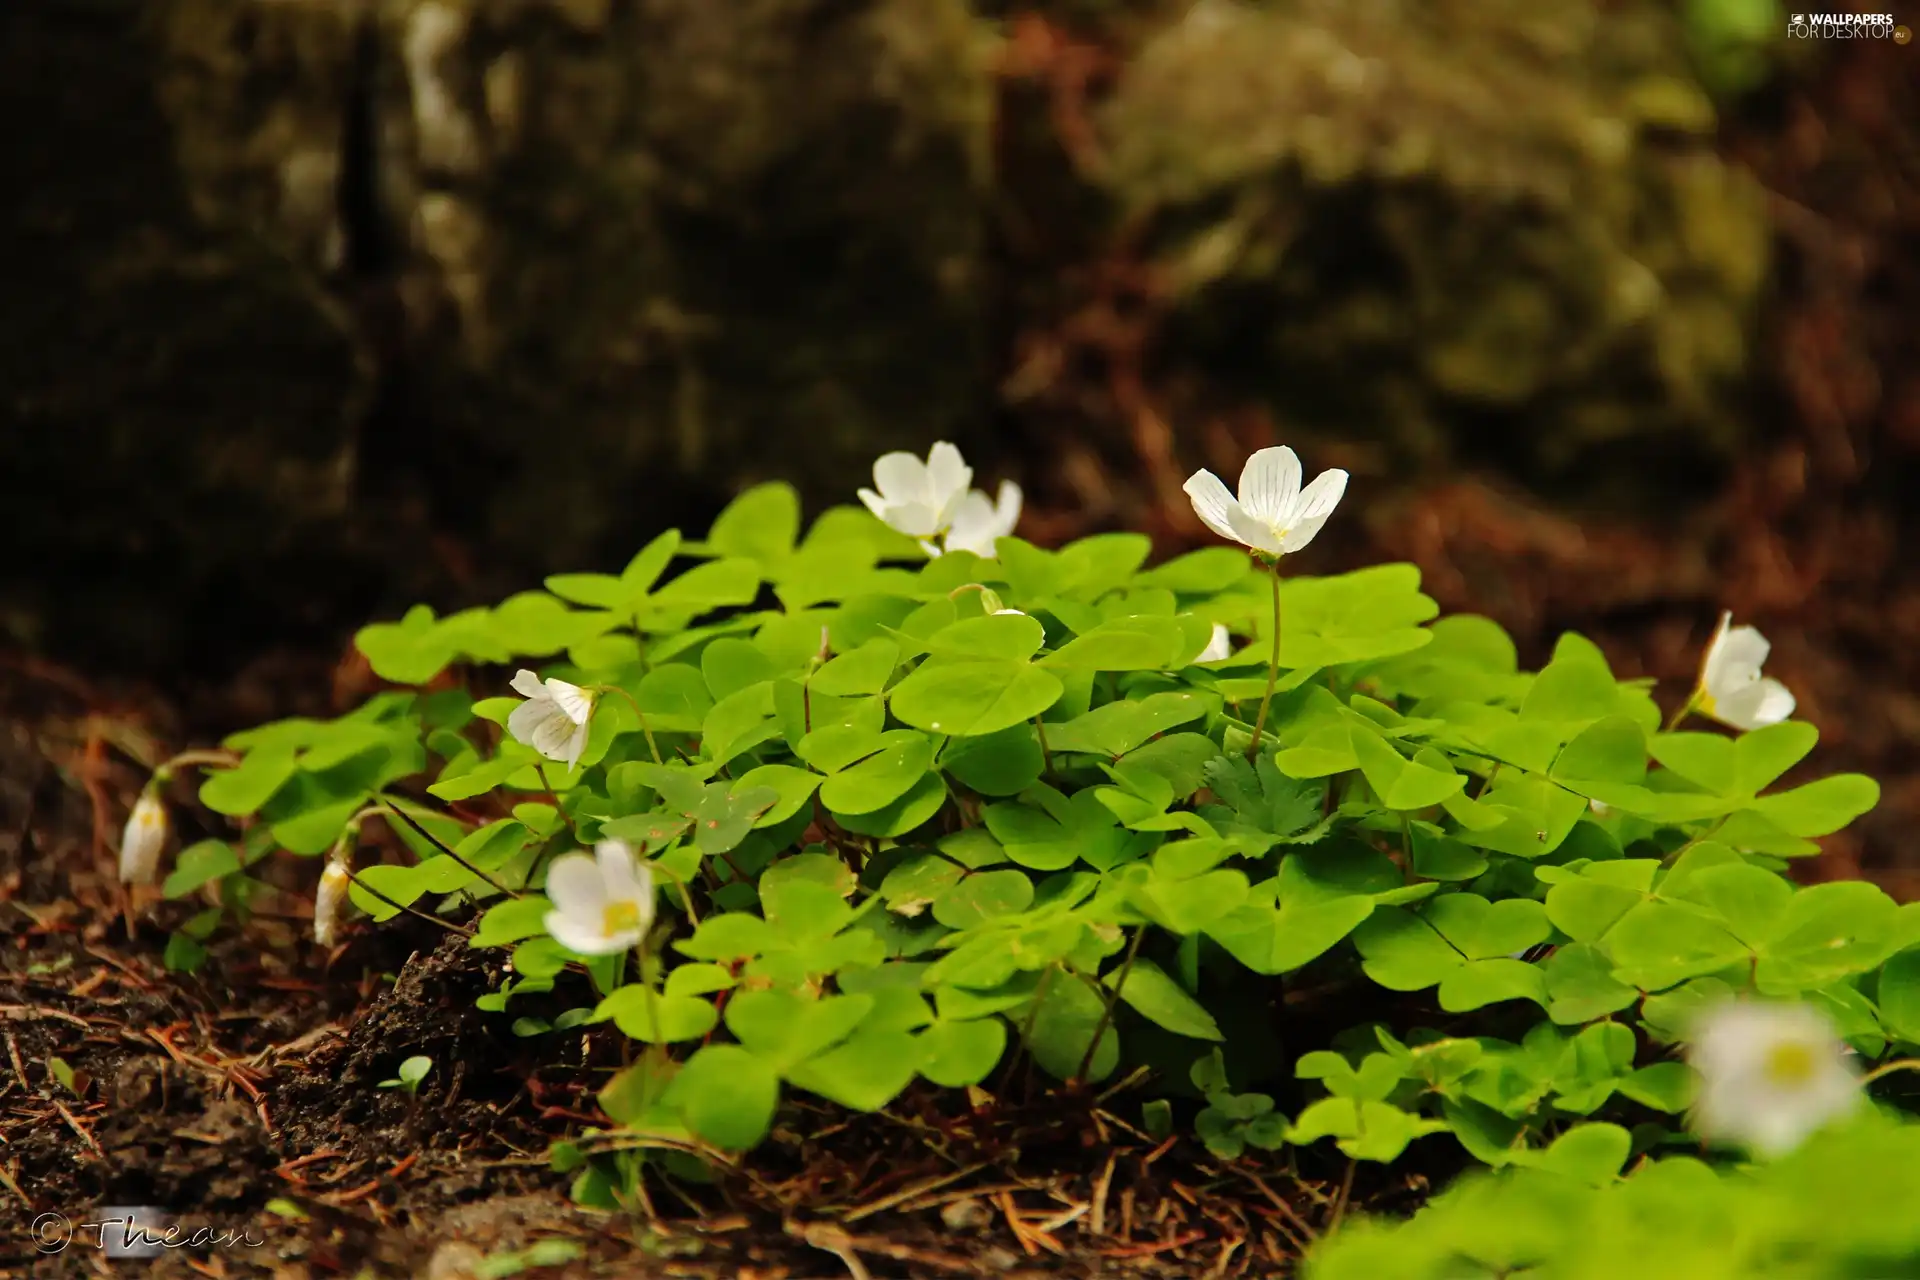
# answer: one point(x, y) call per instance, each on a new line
point(317, 308)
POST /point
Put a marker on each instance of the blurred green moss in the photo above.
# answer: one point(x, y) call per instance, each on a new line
point(1451, 227)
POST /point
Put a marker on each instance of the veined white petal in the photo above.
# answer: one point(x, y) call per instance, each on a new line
point(1301, 533)
point(948, 474)
point(527, 684)
point(577, 887)
point(1318, 499)
point(900, 477)
point(1213, 504)
point(576, 702)
point(1255, 533)
point(1270, 485)
point(532, 718)
point(576, 746)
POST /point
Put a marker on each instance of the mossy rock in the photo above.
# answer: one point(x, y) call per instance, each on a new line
point(308, 280)
point(1461, 229)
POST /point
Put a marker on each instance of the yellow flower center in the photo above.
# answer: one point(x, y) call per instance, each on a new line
point(619, 917)
point(1791, 1064)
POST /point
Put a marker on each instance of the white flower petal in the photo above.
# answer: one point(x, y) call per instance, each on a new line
point(1754, 705)
point(915, 519)
point(539, 724)
point(875, 503)
point(1270, 486)
point(577, 887)
point(900, 477)
point(1006, 506)
point(1214, 505)
point(1256, 534)
point(527, 684)
point(1219, 645)
point(576, 702)
point(625, 878)
point(1737, 652)
point(575, 746)
point(1710, 657)
point(974, 526)
point(1318, 499)
point(588, 938)
point(1301, 534)
point(948, 474)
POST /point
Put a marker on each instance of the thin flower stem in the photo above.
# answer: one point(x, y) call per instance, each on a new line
point(1273, 665)
point(686, 894)
point(226, 759)
point(1026, 1028)
point(633, 702)
point(1113, 998)
point(1888, 1068)
point(1681, 712)
point(1346, 1192)
point(1046, 756)
point(428, 917)
point(443, 847)
point(540, 768)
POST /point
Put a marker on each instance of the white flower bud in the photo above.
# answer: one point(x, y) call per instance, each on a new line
point(329, 901)
point(144, 839)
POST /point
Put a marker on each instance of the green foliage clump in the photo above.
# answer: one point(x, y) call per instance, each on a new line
point(912, 816)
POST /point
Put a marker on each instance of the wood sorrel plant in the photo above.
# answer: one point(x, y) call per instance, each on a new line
point(906, 802)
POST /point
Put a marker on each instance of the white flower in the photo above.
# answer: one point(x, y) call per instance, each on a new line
point(1219, 645)
point(1732, 690)
point(329, 901)
point(1273, 513)
point(554, 718)
point(602, 903)
point(920, 499)
point(143, 840)
point(981, 520)
point(1770, 1074)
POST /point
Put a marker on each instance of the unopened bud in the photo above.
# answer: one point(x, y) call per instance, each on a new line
point(144, 839)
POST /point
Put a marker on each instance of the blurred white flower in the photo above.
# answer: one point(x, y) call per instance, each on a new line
point(1219, 645)
point(920, 499)
point(1770, 1074)
point(144, 839)
point(1273, 513)
point(981, 520)
point(554, 719)
point(1732, 690)
point(603, 902)
point(329, 901)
